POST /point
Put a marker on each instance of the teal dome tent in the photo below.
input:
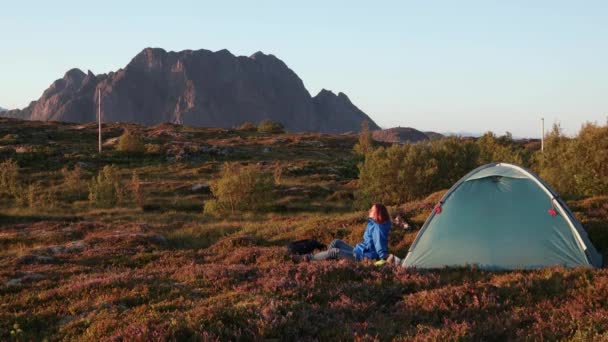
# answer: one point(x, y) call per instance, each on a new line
point(501, 217)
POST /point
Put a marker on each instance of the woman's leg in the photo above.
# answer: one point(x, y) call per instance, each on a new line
point(338, 249)
point(337, 243)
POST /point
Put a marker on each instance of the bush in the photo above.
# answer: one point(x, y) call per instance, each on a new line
point(131, 142)
point(9, 178)
point(455, 158)
point(106, 190)
point(73, 178)
point(366, 141)
point(154, 148)
point(590, 152)
point(399, 174)
point(579, 166)
point(396, 174)
point(35, 196)
point(247, 127)
point(136, 191)
point(268, 126)
point(493, 149)
point(241, 188)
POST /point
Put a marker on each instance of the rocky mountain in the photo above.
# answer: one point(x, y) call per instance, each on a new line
point(3, 109)
point(403, 135)
point(198, 88)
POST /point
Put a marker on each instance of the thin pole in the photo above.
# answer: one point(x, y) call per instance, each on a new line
point(99, 116)
point(542, 134)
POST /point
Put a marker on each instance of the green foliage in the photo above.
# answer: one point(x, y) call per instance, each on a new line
point(154, 148)
point(73, 179)
point(136, 190)
point(131, 142)
point(268, 126)
point(9, 178)
point(578, 166)
point(590, 151)
point(499, 149)
point(106, 190)
point(247, 127)
point(36, 196)
point(399, 174)
point(241, 188)
point(396, 174)
point(366, 141)
point(455, 158)
point(553, 165)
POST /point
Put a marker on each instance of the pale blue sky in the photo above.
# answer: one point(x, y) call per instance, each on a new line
point(453, 66)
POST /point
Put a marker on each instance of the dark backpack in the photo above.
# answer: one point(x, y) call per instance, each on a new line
point(305, 246)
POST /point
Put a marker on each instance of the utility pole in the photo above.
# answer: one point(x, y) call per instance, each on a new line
point(542, 135)
point(99, 117)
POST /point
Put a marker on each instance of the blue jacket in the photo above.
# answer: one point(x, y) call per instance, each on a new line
point(375, 241)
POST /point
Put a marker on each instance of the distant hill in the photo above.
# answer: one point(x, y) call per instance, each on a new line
point(403, 135)
point(197, 88)
point(3, 109)
point(462, 134)
point(434, 135)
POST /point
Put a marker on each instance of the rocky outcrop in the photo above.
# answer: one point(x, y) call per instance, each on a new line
point(198, 88)
point(336, 111)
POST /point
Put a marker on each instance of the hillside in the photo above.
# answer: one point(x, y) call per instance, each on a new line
point(163, 270)
point(196, 88)
point(403, 135)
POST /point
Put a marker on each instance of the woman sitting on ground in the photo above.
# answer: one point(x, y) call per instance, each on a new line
point(374, 245)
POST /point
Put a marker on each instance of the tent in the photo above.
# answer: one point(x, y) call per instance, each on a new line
point(501, 217)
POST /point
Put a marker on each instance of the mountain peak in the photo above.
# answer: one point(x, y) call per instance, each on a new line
point(258, 54)
point(325, 92)
point(198, 88)
point(150, 51)
point(74, 74)
point(225, 52)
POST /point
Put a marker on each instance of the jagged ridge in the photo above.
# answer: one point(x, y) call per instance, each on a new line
point(199, 88)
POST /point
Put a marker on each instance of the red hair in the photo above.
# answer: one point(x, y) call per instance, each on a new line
point(382, 215)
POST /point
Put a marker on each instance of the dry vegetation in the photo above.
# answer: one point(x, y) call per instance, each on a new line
point(146, 263)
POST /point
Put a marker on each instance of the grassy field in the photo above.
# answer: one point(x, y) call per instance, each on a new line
point(163, 270)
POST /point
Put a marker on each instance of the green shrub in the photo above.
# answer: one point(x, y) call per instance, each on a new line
point(396, 174)
point(576, 166)
point(247, 127)
point(268, 126)
point(554, 165)
point(154, 148)
point(131, 142)
point(73, 179)
point(499, 149)
point(590, 152)
point(41, 197)
point(399, 174)
point(9, 177)
point(136, 190)
point(241, 188)
point(106, 190)
point(455, 158)
point(366, 141)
